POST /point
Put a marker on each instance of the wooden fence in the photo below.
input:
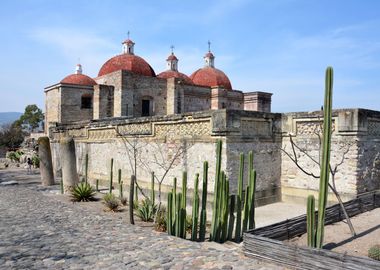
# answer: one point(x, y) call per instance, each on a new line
point(264, 243)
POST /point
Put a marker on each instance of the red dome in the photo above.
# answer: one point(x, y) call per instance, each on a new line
point(175, 74)
point(172, 57)
point(129, 62)
point(209, 76)
point(78, 79)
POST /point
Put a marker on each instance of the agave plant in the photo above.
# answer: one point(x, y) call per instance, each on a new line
point(146, 210)
point(82, 192)
point(161, 223)
point(111, 202)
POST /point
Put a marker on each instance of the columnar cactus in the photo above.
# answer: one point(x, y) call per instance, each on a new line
point(310, 221)
point(97, 185)
point(152, 192)
point(119, 176)
point(214, 226)
point(195, 210)
point(325, 163)
point(246, 209)
point(202, 226)
point(111, 176)
point(121, 189)
point(169, 213)
point(183, 203)
point(86, 169)
point(252, 190)
point(231, 221)
point(239, 200)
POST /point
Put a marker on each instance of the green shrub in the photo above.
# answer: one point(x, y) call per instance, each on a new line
point(161, 220)
point(13, 156)
point(374, 252)
point(82, 192)
point(111, 202)
point(146, 210)
point(36, 161)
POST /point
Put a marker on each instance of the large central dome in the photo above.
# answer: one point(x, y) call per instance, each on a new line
point(127, 61)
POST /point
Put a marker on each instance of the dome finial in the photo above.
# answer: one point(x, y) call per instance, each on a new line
point(209, 57)
point(128, 45)
point(78, 68)
point(172, 61)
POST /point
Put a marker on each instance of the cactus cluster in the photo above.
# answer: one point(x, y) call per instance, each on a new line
point(224, 222)
point(315, 236)
point(111, 176)
point(374, 252)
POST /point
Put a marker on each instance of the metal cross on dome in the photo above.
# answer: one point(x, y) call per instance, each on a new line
point(209, 46)
point(172, 48)
point(128, 34)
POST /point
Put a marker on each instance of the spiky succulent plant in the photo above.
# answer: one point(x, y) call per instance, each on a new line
point(82, 192)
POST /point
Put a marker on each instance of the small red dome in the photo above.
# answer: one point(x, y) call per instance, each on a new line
point(209, 76)
point(78, 79)
point(172, 57)
point(175, 74)
point(129, 62)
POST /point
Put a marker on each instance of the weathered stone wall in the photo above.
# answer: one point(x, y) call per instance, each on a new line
point(52, 105)
point(354, 150)
point(71, 102)
point(158, 139)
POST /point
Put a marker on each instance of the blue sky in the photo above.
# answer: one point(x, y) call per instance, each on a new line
point(282, 47)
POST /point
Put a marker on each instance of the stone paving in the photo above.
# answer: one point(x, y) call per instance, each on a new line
point(39, 231)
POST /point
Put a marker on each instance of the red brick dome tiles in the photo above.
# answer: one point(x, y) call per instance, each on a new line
point(209, 76)
point(129, 62)
point(175, 74)
point(79, 79)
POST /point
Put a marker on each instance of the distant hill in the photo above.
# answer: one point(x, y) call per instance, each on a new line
point(9, 117)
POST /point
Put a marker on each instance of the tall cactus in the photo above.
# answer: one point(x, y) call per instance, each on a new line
point(252, 190)
point(152, 192)
point(231, 221)
point(97, 185)
point(169, 213)
point(195, 210)
point(111, 176)
point(183, 203)
point(246, 209)
point(251, 200)
point(239, 200)
point(174, 207)
point(325, 163)
point(131, 197)
point(214, 225)
point(119, 176)
point(202, 226)
point(310, 221)
point(121, 190)
point(225, 210)
point(86, 169)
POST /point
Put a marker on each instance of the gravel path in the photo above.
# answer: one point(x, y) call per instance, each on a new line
point(38, 231)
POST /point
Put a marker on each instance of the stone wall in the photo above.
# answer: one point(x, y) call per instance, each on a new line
point(158, 140)
point(355, 149)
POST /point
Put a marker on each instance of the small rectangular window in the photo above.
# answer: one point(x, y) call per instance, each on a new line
point(86, 102)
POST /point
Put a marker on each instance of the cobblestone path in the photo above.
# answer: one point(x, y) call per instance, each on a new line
point(38, 231)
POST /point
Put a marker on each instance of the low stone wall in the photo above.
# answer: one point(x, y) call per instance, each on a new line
point(158, 140)
point(355, 150)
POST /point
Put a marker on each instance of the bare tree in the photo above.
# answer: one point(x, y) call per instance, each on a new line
point(164, 159)
point(297, 151)
point(133, 146)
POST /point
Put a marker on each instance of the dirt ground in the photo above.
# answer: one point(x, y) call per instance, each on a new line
point(338, 236)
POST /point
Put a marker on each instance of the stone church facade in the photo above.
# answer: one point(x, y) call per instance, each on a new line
point(148, 122)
